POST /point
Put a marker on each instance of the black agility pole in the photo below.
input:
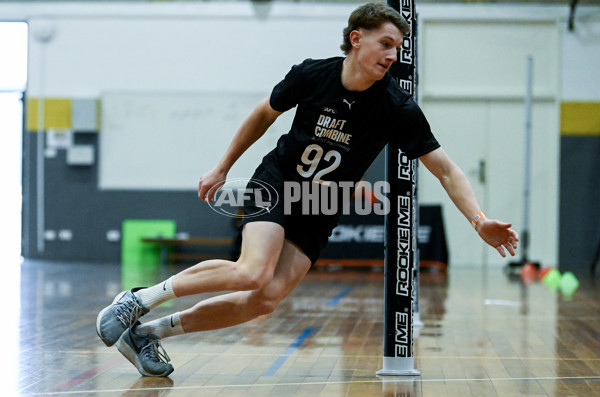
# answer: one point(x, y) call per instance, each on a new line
point(400, 224)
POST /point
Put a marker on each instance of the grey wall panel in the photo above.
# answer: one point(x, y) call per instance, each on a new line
point(74, 203)
point(579, 202)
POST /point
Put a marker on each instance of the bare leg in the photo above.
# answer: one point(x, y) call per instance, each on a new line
point(261, 246)
point(238, 307)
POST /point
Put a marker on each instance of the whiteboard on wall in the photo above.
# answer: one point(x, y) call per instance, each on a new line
point(168, 140)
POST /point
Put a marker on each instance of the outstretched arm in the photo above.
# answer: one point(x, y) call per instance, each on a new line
point(252, 128)
point(495, 233)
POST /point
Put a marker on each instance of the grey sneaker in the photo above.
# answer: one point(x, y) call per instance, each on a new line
point(145, 352)
point(113, 320)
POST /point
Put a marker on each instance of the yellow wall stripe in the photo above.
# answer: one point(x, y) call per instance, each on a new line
point(580, 118)
point(57, 113)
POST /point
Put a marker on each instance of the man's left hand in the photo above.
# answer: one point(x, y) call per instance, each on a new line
point(499, 235)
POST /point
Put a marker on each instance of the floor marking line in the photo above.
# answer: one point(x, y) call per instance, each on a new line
point(382, 380)
point(418, 356)
point(288, 352)
point(336, 299)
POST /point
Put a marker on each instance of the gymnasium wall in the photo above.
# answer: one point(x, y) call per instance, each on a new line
point(580, 145)
point(150, 96)
point(84, 57)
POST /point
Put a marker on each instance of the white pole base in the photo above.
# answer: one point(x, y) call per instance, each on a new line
point(399, 366)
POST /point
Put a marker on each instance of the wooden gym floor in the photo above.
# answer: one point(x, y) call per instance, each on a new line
point(483, 335)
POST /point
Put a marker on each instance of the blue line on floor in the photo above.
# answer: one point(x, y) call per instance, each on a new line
point(288, 352)
point(345, 291)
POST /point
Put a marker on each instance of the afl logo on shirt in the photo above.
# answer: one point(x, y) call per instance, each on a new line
point(329, 110)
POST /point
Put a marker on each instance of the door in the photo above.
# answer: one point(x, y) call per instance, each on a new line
point(472, 87)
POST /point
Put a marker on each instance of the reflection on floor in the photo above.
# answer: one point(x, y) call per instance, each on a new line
point(483, 335)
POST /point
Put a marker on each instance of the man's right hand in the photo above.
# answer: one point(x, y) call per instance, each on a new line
point(207, 185)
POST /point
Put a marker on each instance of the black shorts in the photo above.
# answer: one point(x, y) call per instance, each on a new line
point(309, 232)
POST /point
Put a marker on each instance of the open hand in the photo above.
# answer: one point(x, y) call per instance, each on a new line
point(499, 235)
point(207, 186)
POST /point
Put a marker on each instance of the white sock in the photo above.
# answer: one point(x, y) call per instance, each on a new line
point(162, 327)
point(154, 296)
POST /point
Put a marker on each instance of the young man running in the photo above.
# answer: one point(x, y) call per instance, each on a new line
point(347, 111)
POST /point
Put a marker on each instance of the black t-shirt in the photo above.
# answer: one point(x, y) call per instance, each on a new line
point(336, 133)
